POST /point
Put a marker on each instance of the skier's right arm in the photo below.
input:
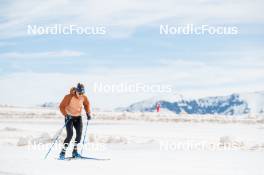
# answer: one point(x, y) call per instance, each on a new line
point(66, 100)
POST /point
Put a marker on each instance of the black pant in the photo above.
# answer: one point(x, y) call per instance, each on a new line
point(75, 122)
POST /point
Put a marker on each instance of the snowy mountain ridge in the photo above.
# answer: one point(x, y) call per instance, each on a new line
point(234, 104)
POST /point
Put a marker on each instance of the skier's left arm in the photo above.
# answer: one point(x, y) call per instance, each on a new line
point(87, 107)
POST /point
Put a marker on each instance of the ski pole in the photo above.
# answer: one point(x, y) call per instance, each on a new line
point(57, 138)
point(85, 135)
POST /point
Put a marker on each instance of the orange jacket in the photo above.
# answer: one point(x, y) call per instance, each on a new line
point(72, 105)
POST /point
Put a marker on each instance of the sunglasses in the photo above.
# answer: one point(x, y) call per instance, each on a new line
point(80, 93)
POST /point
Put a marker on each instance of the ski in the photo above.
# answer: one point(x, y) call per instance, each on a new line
point(84, 158)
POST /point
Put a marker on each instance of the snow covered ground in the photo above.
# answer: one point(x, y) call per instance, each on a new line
point(136, 143)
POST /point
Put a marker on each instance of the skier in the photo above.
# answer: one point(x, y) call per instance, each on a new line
point(71, 108)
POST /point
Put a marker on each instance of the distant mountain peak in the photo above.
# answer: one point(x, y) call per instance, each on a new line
point(234, 104)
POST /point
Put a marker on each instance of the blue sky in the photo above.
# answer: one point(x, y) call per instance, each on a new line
point(132, 50)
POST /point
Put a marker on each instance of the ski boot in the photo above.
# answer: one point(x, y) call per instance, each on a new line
point(62, 155)
point(75, 154)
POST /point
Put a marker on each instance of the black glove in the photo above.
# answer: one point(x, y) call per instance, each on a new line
point(88, 116)
point(68, 117)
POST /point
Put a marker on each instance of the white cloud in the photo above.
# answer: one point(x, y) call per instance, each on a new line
point(51, 54)
point(126, 15)
point(193, 79)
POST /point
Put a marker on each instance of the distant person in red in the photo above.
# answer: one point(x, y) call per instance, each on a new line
point(158, 107)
